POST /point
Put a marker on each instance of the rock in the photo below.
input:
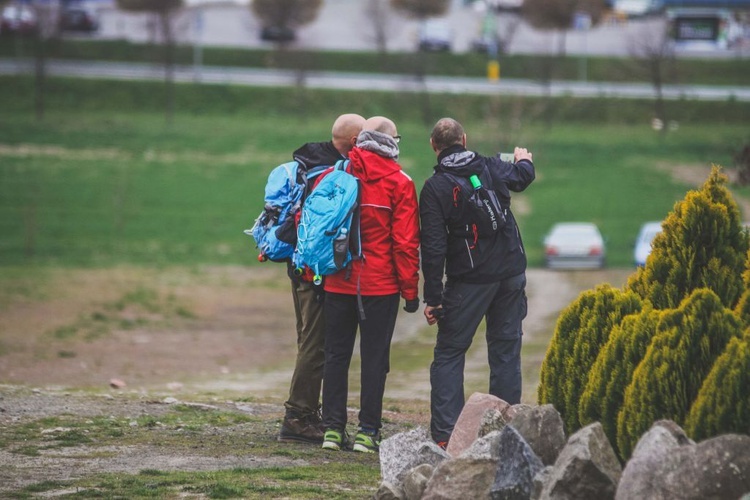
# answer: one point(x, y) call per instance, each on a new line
point(517, 466)
point(461, 479)
point(486, 447)
point(586, 468)
point(540, 479)
point(511, 412)
point(116, 383)
point(469, 421)
point(492, 420)
point(716, 468)
point(387, 491)
point(415, 481)
point(541, 427)
point(406, 450)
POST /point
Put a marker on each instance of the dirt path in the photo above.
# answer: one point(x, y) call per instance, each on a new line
point(222, 335)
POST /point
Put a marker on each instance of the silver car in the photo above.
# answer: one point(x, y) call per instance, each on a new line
point(646, 235)
point(574, 245)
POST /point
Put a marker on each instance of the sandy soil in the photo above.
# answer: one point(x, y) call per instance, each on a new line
point(227, 332)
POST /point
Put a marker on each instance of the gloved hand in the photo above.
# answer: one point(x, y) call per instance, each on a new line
point(411, 305)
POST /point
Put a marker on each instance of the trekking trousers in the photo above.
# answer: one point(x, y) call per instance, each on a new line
point(376, 332)
point(503, 305)
point(304, 392)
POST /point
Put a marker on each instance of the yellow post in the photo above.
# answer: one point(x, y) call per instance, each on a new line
point(493, 70)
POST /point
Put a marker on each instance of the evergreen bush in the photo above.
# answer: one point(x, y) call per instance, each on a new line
point(703, 245)
point(743, 306)
point(582, 329)
point(723, 403)
point(613, 369)
point(666, 382)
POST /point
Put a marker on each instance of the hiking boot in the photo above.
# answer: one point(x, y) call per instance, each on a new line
point(335, 440)
point(303, 429)
point(367, 442)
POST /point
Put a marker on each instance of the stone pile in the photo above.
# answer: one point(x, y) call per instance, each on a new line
point(516, 452)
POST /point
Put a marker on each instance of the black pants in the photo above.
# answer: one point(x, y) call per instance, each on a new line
point(503, 304)
point(376, 331)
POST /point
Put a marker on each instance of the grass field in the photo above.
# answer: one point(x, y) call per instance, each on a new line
point(103, 180)
point(102, 191)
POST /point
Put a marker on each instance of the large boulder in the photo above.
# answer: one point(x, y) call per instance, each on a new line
point(461, 478)
point(541, 427)
point(470, 421)
point(415, 481)
point(586, 468)
point(667, 465)
point(403, 451)
point(516, 467)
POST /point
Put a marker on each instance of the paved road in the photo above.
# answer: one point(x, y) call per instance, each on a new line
point(379, 82)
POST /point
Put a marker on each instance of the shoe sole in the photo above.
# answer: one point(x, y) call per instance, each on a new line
point(329, 445)
point(295, 439)
point(363, 449)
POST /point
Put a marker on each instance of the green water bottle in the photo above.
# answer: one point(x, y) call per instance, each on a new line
point(475, 182)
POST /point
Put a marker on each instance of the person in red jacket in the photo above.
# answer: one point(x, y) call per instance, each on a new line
point(388, 270)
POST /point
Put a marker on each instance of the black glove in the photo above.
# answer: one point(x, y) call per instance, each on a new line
point(411, 305)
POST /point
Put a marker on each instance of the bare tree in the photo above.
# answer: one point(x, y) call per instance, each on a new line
point(286, 13)
point(164, 11)
point(421, 9)
point(378, 15)
point(558, 15)
point(653, 54)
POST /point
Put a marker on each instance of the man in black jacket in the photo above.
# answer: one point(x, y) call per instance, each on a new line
point(484, 261)
point(302, 420)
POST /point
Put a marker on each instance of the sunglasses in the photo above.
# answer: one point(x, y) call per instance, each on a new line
point(397, 138)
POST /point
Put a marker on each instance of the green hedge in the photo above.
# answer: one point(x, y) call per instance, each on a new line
point(530, 67)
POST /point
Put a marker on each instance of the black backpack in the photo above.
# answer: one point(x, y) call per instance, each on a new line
point(480, 203)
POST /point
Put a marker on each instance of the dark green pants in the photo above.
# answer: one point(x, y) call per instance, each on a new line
point(304, 392)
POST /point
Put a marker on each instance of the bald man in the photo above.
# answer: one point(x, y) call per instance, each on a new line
point(302, 420)
point(367, 295)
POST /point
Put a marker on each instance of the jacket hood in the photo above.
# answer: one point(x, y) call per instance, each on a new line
point(459, 161)
point(370, 166)
point(314, 154)
point(378, 142)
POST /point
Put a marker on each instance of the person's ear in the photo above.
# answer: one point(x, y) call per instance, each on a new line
point(432, 145)
point(463, 140)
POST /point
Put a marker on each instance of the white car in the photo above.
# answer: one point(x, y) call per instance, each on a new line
point(646, 235)
point(574, 245)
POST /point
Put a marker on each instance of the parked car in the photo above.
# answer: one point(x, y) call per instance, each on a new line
point(646, 235)
point(79, 18)
point(435, 35)
point(18, 19)
point(574, 245)
point(277, 34)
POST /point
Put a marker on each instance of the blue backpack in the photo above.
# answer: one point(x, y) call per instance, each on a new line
point(283, 197)
point(328, 230)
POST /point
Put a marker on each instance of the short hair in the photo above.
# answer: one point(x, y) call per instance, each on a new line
point(446, 133)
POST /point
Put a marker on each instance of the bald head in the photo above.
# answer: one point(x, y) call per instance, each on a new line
point(381, 124)
point(345, 130)
point(447, 132)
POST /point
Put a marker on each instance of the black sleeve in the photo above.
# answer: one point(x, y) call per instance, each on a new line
point(517, 176)
point(434, 242)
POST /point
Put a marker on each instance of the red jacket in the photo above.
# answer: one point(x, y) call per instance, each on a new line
point(389, 225)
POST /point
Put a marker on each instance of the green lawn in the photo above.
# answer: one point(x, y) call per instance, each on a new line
point(104, 180)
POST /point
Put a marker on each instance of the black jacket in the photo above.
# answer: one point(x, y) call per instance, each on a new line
point(446, 244)
point(315, 154)
point(310, 155)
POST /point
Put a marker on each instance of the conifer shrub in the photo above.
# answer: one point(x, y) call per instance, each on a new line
point(613, 369)
point(703, 245)
point(666, 383)
point(743, 306)
point(723, 403)
point(582, 329)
